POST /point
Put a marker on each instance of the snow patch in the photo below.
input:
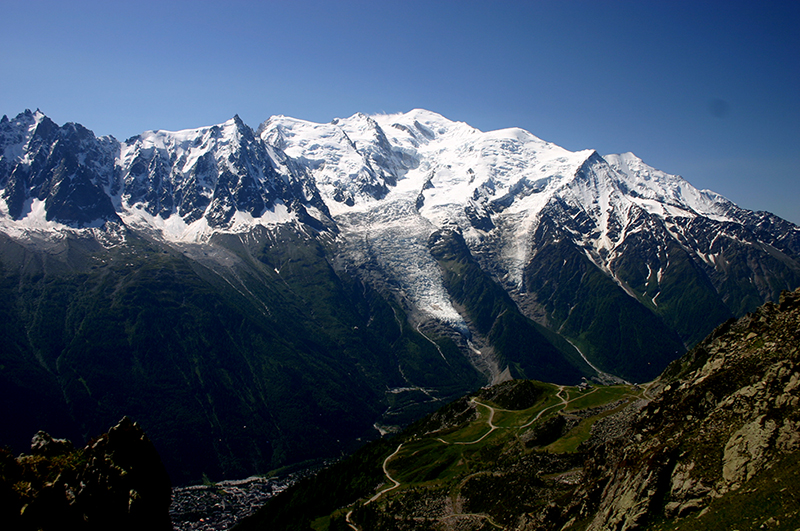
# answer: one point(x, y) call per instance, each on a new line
point(176, 229)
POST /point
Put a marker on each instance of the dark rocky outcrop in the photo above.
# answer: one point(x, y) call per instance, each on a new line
point(116, 481)
point(725, 419)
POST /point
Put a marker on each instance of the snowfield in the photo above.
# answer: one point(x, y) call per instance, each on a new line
point(388, 182)
point(391, 180)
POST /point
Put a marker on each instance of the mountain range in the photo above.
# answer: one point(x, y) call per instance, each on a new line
point(256, 298)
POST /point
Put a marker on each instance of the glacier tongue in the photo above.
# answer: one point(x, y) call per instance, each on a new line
point(395, 236)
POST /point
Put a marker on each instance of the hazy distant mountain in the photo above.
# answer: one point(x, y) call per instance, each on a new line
point(280, 293)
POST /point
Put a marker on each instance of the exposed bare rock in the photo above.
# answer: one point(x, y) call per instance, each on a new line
point(722, 416)
point(44, 444)
point(117, 481)
point(745, 451)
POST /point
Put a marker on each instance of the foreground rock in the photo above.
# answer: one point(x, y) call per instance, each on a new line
point(117, 481)
point(721, 437)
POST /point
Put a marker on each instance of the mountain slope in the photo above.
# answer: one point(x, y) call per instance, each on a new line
point(667, 250)
point(254, 369)
point(519, 343)
point(714, 443)
point(318, 284)
point(203, 281)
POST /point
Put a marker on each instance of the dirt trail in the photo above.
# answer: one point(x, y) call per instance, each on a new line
point(563, 403)
point(390, 478)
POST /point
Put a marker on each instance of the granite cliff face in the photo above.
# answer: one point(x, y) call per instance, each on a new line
point(65, 169)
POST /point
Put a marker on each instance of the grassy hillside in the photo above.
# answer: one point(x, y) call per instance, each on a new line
point(485, 457)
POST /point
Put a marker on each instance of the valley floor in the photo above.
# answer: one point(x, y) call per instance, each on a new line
point(219, 506)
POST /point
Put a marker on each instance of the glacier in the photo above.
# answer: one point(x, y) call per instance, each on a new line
point(390, 180)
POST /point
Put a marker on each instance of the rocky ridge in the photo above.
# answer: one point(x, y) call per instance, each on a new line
point(723, 415)
point(116, 481)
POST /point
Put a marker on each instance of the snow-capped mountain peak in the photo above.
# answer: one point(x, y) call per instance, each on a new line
point(423, 172)
point(17, 133)
point(180, 185)
point(664, 194)
point(221, 177)
point(385, 183)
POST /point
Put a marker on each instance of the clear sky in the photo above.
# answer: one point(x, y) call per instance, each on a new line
point(707, 90)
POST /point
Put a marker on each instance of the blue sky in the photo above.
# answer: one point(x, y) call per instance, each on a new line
point(707, 90)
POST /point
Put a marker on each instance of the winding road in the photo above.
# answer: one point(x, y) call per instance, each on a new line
point(347, 516)
point(492, 427)
point(563, 403)
point(390, 478)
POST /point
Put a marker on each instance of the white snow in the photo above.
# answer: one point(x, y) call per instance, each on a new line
point(390, 180)
point(175, 229)
point(34, 222)
point(667, 195)
point(450, 165)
